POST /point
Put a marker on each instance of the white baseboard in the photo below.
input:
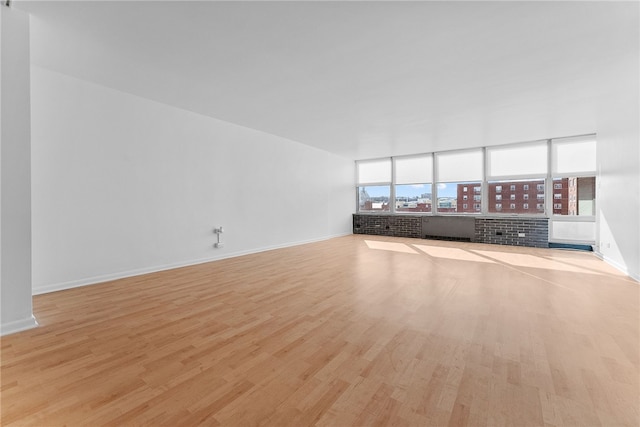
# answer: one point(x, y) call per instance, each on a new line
point(18, 326)
point(617, 266)
point(54, 287)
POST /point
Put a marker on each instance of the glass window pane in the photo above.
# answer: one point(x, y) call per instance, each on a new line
point(573, 231)
point(451, 197)
point(530, 159)
point(413, 198)
point(572, 156)
point(374, 171)
point(518, 192)
point(574, 196)
point(374, 198)
point(459, 166)
point(412, 170)
point(561, 196)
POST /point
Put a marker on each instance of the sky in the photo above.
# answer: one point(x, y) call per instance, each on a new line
point(444, 190)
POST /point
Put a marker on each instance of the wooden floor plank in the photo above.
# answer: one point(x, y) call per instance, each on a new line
point(358, 330)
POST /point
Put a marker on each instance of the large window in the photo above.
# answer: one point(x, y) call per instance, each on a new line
point(574, 156)
point(374, 185)
point(459, 174)
point(505, 164)
point(374, 198)
point(574, 170)
point(517, 160)
point(553, 177)
point(413, 177)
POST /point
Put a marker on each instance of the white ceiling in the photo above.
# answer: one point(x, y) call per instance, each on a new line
point(359, 79)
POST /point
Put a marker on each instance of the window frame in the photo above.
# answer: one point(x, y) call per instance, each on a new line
point(481, 198)
point(553, 174)
point(515, 177)
point(373, 184)
point(469, 185)
point(553, 163)
point(394, 160)
point(505, 180)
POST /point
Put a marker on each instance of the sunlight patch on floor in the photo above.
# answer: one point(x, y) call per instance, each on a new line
point(532, 261)
point(390, 246)
point(595, 265)
point(452, 253)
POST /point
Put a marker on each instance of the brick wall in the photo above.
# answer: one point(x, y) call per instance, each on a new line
point(388, 225)
point(500, 231)
point(505, 231)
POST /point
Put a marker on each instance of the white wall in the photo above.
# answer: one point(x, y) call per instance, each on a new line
point(15, 200)
point(124, 185)
point(618, 188)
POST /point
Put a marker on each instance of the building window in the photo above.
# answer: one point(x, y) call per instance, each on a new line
point(525, 187)
point(512, 206)
point(540, 206)
point(540, 196)
point(477, 198)
point(525, 206)
point(464, 189)
point(513, 187)
point(518, 194)
point(498, 206)
point(557, 206)
point(476, 206)
point(540, 187)
point(498, 188)
point(557, 196)
point(557, 185)
point(464, 206)
point(465, 197)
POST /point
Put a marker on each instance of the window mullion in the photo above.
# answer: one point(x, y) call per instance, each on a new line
point(548, 189)
point(392, 190)
point(484, 192)
point(434, 186)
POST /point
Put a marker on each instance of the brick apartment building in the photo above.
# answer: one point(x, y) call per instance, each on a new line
point(510, 197)
point(514, 197)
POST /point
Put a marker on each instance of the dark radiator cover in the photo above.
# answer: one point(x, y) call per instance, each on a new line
point(449, 228)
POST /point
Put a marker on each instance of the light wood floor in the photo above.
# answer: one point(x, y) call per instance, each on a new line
point(358, 330)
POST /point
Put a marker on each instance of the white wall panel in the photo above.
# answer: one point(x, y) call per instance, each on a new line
point(124, 185)
point(15, 211)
